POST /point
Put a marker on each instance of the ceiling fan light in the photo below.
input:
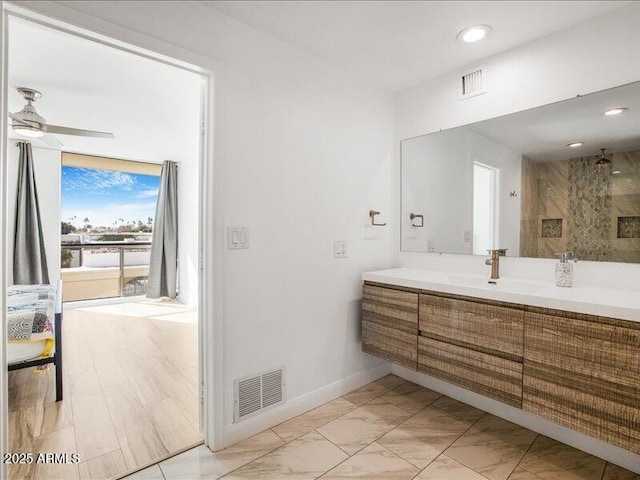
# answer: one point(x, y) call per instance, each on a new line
point(27, 131)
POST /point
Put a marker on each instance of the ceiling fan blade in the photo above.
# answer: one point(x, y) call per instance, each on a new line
point(78, 131)
point(52, 141)
point(13, 117)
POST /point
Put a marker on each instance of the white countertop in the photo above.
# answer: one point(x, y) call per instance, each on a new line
point(607, 302)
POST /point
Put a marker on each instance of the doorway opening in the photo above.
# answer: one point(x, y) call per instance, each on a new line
point(486, 182)
point(130, 365)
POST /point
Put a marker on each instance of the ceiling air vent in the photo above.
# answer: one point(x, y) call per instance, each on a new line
point(472, 83)
point(255, 393)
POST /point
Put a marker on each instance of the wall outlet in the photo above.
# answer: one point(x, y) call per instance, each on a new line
point(237, 237)
point(467, 236)
point(339, 249)
point(431, 245)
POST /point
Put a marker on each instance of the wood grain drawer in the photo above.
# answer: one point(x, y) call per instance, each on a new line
point(584, 375)
point(487, 327)
point(391, 308)
point(488, 375)
point(390, 343)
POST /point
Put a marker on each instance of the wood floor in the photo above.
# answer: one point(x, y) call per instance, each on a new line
point(131, 393)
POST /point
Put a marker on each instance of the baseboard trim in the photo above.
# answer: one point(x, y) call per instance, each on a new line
point(237, 432)
point(598, 448)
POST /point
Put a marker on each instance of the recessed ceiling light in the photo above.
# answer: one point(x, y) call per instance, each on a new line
point(575, 144)
point(615, 111)
point(474, 33)
point(616, 172)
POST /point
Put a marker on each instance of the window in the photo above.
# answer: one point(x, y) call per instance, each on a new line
point(108, 209)
point(486, 181)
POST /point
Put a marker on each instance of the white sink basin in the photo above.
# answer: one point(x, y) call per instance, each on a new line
point(502, 284)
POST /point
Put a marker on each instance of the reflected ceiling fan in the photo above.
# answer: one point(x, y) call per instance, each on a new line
point(27, 122)
point(604, 159)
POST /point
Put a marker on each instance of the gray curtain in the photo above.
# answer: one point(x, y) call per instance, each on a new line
point(163, 267)
point(29, 257)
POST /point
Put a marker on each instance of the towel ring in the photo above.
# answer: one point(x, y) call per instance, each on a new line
point(413, 216)
point(372, 214)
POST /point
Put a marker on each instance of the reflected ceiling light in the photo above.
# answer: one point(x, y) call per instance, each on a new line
point(615, 111)
point(474, 33)
point(616, 172)
point(603, 160)
point(575, 144)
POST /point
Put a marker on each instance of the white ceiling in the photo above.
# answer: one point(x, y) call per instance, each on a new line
point(152, 108)
point(399, 44)
point(543, 133)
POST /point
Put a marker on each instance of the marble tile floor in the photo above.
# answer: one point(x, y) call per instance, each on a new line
point(391, 429)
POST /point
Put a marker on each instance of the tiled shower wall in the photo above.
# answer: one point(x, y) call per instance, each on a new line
point(578, 205)
point(589, 215)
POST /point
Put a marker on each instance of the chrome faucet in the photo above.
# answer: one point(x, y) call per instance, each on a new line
point(494, 261)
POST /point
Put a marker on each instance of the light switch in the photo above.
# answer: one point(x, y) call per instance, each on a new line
point(339, 249)
point(237, 237)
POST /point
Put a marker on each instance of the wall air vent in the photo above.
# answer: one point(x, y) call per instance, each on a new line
point(472, 83)
point(255, 393)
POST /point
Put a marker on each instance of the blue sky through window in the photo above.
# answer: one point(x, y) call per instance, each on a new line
point(107, 198)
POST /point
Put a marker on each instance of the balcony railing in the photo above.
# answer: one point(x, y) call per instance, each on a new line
point(102, 269)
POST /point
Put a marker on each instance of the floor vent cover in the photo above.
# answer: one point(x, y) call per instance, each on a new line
point(255, 393)
point(472, 83)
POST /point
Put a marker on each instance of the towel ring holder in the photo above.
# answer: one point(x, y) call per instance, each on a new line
point(413, 216)
point(372, 214)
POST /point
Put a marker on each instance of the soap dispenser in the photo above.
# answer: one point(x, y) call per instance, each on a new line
point(564, 269)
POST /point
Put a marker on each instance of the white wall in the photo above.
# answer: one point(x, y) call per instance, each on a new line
point(588, 57)
point(304, 153)
point(46, 165)
point(437, 181)
point(595, 55)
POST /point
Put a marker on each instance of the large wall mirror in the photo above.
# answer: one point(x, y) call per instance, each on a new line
point(536, 182)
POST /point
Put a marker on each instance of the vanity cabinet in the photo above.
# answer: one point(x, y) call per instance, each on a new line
point(583, 372)
point(485, 326)
point(474, 344)
point(390, 324)
point(488, 375)
point(580, 371)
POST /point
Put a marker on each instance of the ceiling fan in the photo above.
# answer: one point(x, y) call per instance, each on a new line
point(27, 122)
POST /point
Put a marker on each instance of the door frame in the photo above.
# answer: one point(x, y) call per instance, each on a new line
point(211, 239)
point(4, 388)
